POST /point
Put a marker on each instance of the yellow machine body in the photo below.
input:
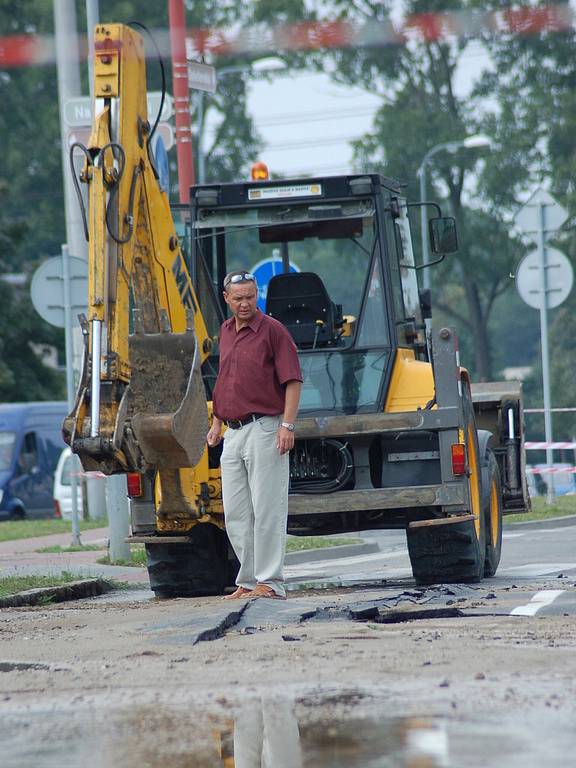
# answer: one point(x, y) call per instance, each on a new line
point(141, 403)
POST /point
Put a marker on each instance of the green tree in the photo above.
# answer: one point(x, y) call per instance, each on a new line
point(532, 88)
point(422, 107)
point(31, 170)
point(23, 376)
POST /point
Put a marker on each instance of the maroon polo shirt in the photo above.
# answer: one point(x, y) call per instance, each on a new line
point(256, 363)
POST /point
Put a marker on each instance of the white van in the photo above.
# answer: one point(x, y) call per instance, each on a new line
point(62, 493)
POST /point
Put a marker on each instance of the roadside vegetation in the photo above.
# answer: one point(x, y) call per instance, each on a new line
point(293, 544)
point(564, 505)
point(28, 529)
point(56, 548)
point(11, 585)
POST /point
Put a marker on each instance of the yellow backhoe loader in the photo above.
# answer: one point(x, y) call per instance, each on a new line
point(390, 433)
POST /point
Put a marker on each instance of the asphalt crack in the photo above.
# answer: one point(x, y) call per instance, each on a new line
point(228, 622)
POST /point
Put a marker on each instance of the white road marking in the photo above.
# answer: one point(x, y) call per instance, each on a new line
point(561, 531)
point(513, 535)
point(540, 600)
point(537, 569)
point(320, 565)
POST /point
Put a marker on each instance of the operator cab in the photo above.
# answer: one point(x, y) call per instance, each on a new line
point(339, 271)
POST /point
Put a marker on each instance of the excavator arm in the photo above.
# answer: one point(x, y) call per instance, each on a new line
point(141, 404)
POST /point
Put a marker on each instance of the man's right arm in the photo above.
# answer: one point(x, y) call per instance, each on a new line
point(214, 436)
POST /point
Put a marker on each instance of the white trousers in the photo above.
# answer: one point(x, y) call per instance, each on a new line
point(255, 497)
point(267, 736)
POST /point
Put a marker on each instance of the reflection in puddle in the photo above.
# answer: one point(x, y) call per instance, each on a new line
point(271, 732)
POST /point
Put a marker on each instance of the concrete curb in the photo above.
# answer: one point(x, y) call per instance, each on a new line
point(95, 586)
point(331, 553)
point(74, 590)
point(556, 522)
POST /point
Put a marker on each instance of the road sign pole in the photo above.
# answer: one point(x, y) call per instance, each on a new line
point(68, 70)
point(92, 18)
point(544, 345)
point(177, 25)
point(70, 382)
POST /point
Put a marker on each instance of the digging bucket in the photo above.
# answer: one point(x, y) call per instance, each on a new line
point(167, 407)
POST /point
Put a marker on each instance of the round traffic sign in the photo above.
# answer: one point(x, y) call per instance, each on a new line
point(47, 289)
point(559, 278)
point(264, 271)
point(162, 165)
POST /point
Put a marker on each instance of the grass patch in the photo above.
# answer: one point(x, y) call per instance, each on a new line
point(81, 548)
point(137, 558)
point(11, 585)
point(298, 543)
point(294, 544)
point(10, 530)
point(563, 505)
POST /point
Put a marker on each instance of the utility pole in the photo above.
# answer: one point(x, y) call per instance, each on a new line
point(68, 68)
point(92, 18)
point(543, 264)
point(181, 99)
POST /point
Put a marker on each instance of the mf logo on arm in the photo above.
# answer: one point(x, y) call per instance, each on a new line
point(183, 283)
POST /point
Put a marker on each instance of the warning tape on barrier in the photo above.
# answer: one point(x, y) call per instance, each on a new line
point(24, 50)
point(533, 446)
point(550, 470)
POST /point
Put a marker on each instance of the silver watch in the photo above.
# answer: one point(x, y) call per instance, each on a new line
point(287, 425)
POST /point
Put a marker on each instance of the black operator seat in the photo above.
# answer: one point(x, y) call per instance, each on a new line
point(300, 301)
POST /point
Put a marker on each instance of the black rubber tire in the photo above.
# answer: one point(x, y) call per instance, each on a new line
point(198, 569)
point(454, 553)
point(445, 554)
point(492, 504)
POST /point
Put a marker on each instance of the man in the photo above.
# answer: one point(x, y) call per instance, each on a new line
point(256, 396)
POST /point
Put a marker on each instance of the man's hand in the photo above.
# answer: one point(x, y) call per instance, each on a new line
point(214, 437)
point(285, 440)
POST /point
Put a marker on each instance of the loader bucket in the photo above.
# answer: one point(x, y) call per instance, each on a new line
point(167, 408)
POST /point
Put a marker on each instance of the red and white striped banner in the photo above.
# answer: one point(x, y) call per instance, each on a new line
point(550, 470)
point(531, 446)
point(260, 39)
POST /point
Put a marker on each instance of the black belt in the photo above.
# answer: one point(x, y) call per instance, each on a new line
point(239, 423)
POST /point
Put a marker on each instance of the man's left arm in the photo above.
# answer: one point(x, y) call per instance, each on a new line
point(291, 402)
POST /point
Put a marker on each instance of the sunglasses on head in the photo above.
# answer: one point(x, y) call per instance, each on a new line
point(241, 278)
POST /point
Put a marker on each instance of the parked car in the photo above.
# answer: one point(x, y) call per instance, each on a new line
point(68, 464)
point(30, 444)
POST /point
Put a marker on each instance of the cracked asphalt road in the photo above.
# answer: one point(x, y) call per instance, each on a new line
point(378, 673)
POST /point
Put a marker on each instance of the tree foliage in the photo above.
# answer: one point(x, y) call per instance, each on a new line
point(23, 376)
point(424, 105)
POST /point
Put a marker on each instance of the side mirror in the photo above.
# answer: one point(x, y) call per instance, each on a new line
point(443, 236)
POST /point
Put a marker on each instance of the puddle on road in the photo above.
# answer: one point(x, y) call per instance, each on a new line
point(315, 732)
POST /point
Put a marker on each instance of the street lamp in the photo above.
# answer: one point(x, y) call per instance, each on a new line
point(269, 64)
point(470, 142)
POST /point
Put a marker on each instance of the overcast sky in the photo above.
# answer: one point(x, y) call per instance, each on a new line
point(308, 122)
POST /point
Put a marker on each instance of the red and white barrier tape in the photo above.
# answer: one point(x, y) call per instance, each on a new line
point(25, 50)
point(550, 470)
point(541, 446)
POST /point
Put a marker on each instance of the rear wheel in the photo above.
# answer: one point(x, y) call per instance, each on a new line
point(202, 567)
point(492, 503)
point(454, 552)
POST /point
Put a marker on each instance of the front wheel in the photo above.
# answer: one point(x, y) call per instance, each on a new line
point(454, 552)
point(198, 569)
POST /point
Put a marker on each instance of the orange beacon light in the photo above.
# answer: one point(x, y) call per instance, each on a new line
point(259, 172)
